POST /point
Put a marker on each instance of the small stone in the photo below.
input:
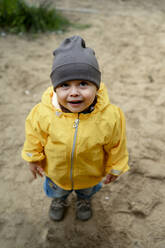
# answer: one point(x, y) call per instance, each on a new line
point(59, 32)
point(150, 78)
point(3, 34)
point(27, 92)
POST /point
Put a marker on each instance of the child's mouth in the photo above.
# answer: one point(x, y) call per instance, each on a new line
point(75, 102)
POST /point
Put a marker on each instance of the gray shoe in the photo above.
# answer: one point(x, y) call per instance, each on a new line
point(57, 209)
point(83, 209)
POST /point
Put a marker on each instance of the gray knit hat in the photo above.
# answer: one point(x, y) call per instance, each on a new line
point(74, 61)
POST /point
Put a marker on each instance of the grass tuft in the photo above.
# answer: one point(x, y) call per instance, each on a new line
point(17, 16)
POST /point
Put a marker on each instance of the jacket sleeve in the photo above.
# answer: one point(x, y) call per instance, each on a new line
point(116, 161)
point(35, 137)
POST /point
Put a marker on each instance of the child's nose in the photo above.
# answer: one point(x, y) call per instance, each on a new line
point(74, 91)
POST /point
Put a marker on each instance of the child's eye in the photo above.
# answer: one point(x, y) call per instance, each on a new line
point(83, 83)
point(64, 85)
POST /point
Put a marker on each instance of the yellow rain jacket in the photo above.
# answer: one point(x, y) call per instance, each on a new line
point(77, 150)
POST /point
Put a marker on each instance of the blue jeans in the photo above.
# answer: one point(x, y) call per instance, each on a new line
point(54, 191)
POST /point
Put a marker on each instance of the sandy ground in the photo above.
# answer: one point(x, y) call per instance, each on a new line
point(129, 40)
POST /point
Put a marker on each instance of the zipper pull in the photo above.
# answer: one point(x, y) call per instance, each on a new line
point(76, 122)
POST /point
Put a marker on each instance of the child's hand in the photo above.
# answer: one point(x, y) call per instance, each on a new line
point(110, 178)
point(36, 169)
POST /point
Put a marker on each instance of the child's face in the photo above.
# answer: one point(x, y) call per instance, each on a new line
point(76, 95)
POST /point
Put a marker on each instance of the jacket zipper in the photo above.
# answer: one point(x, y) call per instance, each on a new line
point(75, 125)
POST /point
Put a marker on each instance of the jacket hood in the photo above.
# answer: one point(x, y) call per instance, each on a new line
point(102, 98)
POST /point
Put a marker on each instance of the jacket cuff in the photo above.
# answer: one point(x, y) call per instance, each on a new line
point(32, 157)
point(115, 172)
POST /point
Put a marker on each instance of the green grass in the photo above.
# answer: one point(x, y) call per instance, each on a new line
point(17, 16)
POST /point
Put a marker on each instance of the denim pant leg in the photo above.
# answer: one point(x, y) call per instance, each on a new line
point(54, 191)
point(88, 192)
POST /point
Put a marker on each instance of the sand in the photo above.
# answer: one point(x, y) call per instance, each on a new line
point(129, 40)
